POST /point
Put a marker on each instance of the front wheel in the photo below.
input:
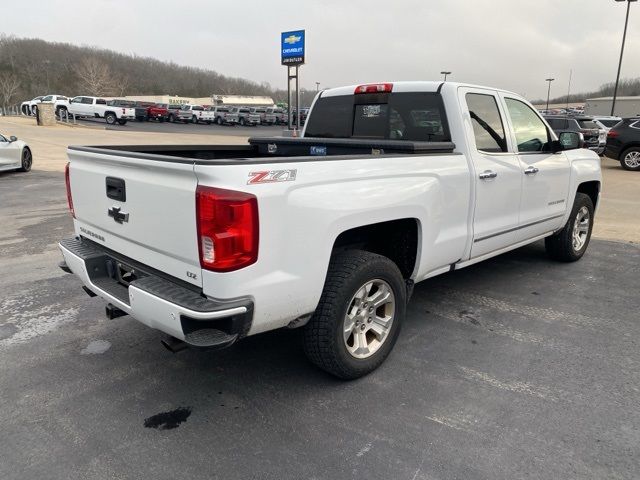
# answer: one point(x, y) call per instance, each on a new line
point(26, 160)
point(630, 159)
point(110, 118)
point(359, 315)
point(570, 243)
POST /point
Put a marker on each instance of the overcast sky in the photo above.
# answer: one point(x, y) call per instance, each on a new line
point(512, 44)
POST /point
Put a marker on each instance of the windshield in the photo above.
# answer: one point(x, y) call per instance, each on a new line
point(416, 116)
point(609, 123)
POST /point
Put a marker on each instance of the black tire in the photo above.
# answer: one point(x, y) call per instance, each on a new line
point(219, 120)
point(208, 122)
point(61, 111)
point(26, 160)
point(122, 121)
point(194, 119)
point(171, 119)
point(561, 246)
point(241, 122)
point(324, 344)
point(34, 110)
point(623, 160)
point(110, 118)
point(161, 119)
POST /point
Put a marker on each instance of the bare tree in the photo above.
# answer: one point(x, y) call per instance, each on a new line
point(95, 77)
point(9, 85)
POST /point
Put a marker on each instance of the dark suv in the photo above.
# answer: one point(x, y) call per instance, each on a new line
point(623, 143)
point(594, 138)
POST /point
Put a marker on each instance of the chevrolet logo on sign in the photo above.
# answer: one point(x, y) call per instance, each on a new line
point(291, 39)
point(292, 47)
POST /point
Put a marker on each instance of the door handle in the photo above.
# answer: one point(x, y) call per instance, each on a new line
point(531, 170)
point(487, 174)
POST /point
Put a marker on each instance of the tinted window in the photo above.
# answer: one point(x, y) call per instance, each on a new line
point(558, 123)
point(48, 98)
point(609, 123)
point(87, 100)
point(587, 124)
point(101, 101)
point(402, 116)
point(197, 107)
point(487, 123)
point(531, 132)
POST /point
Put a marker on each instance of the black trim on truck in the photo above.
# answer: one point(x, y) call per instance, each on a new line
point(337, 149)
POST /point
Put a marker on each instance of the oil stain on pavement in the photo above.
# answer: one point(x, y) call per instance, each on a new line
point(168, 420)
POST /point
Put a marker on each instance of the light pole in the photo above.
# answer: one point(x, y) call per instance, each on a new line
point(624, 37)
point(445, 75)
point(317, 86)
point(549, 89)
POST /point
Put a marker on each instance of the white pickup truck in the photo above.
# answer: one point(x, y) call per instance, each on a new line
point(95, 107)
point(199, 114)
point(390, 184)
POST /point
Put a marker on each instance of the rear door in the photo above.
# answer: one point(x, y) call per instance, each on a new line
point(143, 209)
point(545, 175)
point(497, 172)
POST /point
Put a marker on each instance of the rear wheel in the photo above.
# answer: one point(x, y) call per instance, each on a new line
point(171, 118)
point(359, 315)
point(110, 118)
point(122, 121)
point(242, 122)
point(194, 119)
point(26, 160)
point(630, 159)
point(219, 120)
point(570, 243)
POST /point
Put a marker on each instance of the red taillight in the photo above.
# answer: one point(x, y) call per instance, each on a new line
point(227, 228)
point(374, 88)
point(68, 183)
point(612, 134)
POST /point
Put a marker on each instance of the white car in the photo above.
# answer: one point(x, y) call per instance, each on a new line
point(27, 108)
point(14, 154)
point(389, 185)
point(60, 101)
point(606, 123)
point(95, 107)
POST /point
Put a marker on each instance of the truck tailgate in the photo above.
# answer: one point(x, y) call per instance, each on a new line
point(142, 209)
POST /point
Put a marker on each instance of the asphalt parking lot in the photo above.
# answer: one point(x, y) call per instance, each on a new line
point(518, 367)
point(188, 128)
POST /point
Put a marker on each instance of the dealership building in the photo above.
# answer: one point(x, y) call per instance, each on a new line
point(243, 100)
point(625, 106)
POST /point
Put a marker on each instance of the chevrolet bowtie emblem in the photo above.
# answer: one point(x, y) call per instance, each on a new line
point(117, 215)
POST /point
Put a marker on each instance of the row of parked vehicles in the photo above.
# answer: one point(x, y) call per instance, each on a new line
point(118, 111)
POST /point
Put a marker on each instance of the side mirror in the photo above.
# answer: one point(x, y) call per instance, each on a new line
point(567, 141)
point(13, 138)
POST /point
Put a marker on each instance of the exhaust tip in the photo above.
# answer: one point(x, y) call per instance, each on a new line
point(174, 345)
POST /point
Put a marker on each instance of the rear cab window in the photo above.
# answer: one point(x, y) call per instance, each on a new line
point(414, 116)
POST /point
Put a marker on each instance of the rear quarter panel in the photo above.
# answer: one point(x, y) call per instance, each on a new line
point(300, 221)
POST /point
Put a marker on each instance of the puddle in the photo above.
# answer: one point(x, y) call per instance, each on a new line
point(96, 347)
point(168, 420)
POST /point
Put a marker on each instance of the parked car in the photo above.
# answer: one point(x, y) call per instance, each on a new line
point(594, 137)
point(177, 114)
point(27, 108)
point(224, 115)
point(60, 102)
point(198, 114)
point(623, 143)
point(157, 112)
point(275, 116)
point(245, 117)
point(262, 111)
point(322, 232)
point(14, 154)
point(606, 123)
point(95, 107)
point(304, 112)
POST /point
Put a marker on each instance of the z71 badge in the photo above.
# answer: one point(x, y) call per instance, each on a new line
point(272, 176)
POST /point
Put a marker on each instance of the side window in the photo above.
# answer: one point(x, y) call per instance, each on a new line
point(48, 98)
point(101, 101)
point(487, 124)
point(531, 132)
point(87, 100)
point(76, 100)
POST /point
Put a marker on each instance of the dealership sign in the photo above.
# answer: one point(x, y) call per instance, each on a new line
point(292, 47)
